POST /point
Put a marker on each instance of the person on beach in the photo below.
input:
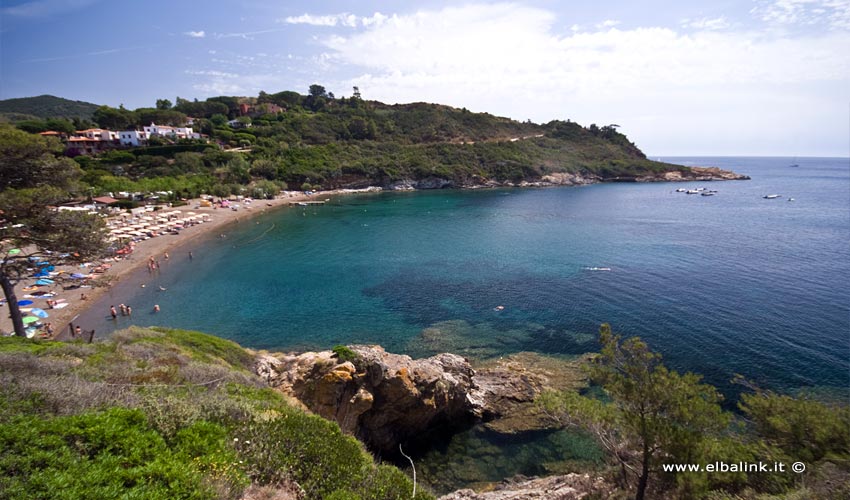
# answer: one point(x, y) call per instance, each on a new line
point(48, 329)
point(83, 296)
point(78, 332)
point(113, 312)
point(129, 311)
point(166, 255)
point(123, 309)
point(191, 256)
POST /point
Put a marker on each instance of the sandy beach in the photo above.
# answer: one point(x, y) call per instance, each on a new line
point(144, 250)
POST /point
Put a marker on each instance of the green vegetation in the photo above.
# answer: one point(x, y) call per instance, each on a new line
point(318, 141)
point(160, 413)
point(652, 418)
point(32, 178)
point(48, 106)
point(344, 353)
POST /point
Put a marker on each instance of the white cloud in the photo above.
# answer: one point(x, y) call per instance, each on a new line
point(344, 19)
point(834, 14)
point(195, 34)
point(704, 23)
point(313, 20)
point(508, 59)
point(222, 74)
point(608, 23)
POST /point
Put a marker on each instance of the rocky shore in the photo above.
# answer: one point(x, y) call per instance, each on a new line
point(570, 179)
point(386, 399)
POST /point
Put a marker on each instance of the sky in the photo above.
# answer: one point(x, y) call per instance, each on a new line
point(706, 77)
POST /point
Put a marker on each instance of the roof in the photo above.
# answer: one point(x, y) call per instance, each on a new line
point(106, 200)
point(49, 132)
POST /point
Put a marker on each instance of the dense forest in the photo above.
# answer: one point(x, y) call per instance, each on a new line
point(323, 142)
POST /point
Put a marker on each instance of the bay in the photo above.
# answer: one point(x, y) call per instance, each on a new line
point(720, 285)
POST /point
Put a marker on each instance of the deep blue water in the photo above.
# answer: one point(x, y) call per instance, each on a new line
point(720, 285)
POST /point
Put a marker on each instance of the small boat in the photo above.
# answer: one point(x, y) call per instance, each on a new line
point(790, 199)
point(681, 190)
point(771, 196)
point(692, 191)
point(707, 193)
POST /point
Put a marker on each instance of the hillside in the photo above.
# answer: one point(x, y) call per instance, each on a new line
point(289, 140)
point(48, 106)
point(166, 414)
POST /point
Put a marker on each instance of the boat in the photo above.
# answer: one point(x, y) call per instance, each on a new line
point(790, 199)
point(681, 190)
point(707, 193)
point(692, 191)
point(771, 196)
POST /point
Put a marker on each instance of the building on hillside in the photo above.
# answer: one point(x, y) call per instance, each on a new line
point(133, 138)
point(98, 133)
point(171, 132)
point(81, 145)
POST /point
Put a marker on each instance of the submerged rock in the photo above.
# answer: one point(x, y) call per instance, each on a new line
point(565, 487)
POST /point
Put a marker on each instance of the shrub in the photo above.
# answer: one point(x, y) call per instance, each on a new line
point(344, 353)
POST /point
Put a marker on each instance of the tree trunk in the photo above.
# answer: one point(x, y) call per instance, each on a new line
point(14, 310)
point(644, 473)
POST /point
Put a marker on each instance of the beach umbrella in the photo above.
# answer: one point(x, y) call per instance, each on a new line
point(24, 302)
point(41, 313)
point(30, 319)
point(41, 274)
point(14, 251)
point(44, 282)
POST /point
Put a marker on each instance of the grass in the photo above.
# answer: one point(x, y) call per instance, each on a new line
point(162, 413)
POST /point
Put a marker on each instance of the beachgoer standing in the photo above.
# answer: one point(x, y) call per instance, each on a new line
point(78, 332)
point(123, 309)
point(49, 329)
point(191, 256)
point(129, 311)
point(166, 255)
point(113, 312)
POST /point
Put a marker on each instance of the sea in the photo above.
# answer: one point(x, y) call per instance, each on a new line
point(724, 285)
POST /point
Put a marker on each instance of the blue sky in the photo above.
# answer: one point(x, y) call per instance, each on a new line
point(742, 77)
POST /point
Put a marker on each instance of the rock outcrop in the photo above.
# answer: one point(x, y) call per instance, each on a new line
point(386, 398)
point(566, 487)
point(382, 398)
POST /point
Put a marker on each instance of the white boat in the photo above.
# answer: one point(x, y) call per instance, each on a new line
point(771, 196)
point(681, 190)
point(692, 191)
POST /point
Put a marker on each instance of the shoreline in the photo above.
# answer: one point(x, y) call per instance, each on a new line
point(122, 270)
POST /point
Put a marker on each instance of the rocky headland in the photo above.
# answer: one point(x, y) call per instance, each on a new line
point(688, 174)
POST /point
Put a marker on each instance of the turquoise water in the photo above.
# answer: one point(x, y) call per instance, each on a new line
point(720, 285)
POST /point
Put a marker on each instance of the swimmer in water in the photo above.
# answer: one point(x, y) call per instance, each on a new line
point(156, 308)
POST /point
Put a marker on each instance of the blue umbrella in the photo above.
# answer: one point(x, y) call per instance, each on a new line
point(24, 302)
point(44, 282)
point(41, 274)
point(41, 313)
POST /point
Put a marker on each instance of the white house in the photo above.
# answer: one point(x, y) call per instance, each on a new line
point(133, 138)
point(171, 132)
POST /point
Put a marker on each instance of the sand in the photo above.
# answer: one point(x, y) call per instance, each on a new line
point(153, 247)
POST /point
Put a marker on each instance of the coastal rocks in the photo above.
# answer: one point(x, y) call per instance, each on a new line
point(426, 183)
point(382, 398)
point(570, 179)
point(565, 487)
point(507, 387)
point(694, 174)
point(386, 398)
